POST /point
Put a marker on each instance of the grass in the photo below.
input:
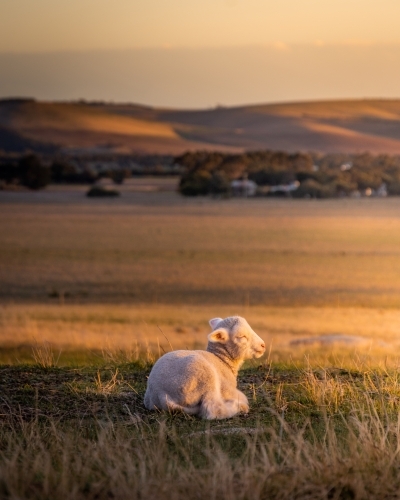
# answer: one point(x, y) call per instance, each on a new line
point(262, 252)
point(78, 334)
point(93, 291)
point(311, 433)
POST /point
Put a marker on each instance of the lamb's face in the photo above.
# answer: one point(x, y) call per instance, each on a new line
point(247, 342)
point(239, 339)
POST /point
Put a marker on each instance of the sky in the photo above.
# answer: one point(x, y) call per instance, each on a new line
point(188, 53)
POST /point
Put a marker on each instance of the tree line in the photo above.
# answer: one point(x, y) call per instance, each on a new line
point(211, 173)
point(35, 172)
point(317, 175)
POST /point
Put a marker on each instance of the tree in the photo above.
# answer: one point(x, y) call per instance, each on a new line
point(195, 183)
point(62, 171)
point(8, 172)
point(220, 184)
point(32, 173)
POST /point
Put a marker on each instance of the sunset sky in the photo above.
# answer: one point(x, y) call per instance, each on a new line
point(199, 54)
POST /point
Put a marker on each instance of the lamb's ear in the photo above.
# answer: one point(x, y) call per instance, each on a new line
point(221, 335)
point(214, 322)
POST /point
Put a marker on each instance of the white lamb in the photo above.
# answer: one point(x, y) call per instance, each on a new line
point(204, 383)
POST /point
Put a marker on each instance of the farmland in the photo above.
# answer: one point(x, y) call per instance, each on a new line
point(159, 248)
point(92, 291)
point(118, 268)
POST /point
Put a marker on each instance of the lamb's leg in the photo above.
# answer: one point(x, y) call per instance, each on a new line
point(242, 401)
point(217, 408)
point(190, 410)
point(164, 402)
point(161, 401)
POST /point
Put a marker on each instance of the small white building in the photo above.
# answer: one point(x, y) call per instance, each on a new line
point(381, 191)
point(285, 188)
point(243, 187)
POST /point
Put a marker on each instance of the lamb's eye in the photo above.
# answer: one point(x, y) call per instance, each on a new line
point(242, 338)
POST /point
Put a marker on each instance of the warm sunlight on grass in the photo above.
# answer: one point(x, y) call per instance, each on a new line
point(330, 335)
point(149, 270)
point(93, 292)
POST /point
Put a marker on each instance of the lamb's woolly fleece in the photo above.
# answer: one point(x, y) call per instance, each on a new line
point(204, 383)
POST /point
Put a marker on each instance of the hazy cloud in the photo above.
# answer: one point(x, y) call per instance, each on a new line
point(205, 77)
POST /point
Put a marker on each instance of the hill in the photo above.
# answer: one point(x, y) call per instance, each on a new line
point(347, 126)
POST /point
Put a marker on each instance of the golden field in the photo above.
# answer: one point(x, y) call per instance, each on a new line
point(348, 126)
point(102, 333)
point(151, 268)
point(92, 291)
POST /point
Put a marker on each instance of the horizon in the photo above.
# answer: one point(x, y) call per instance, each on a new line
point(205, 78)
point(84, 100)
point(187, 55)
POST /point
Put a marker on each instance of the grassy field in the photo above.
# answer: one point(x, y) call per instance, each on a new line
point(312, 433)
point(158, 248)
point(93, 291)
point(99, 274)
point(95, 333)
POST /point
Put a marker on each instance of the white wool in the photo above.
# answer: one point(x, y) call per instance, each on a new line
point(204, 383)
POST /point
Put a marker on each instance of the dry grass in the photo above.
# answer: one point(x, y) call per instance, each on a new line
point(120, 333)
point(139, 277)
point(69, 434)
point(76, 118)
point(109, 386)
point(118, 279)
point(43, 354)
point(123, 130)
point(345, 125)
point(344, 109)
point(44, 464)
point(157, 248)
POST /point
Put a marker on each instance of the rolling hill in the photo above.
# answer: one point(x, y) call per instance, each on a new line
point(348, 126)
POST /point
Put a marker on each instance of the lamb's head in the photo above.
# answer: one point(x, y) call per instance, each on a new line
point(236, 337)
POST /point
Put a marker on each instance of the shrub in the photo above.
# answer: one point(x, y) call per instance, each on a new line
point(8, 172)
point(118, 176)
point(271, 177)
point(313, 189)
point(195, 183)
point(394, 188)
point(367, 178)
point(97, 191)
point(32, 173)
point(321, 176)
point(219, 184)
point(62, 171)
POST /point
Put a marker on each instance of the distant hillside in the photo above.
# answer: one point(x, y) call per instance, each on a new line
point(347, 126)
point(13, 142)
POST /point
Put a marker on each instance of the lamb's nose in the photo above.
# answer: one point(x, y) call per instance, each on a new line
point(263, 346)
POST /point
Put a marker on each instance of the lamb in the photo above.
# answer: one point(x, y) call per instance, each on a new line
point(203, 383)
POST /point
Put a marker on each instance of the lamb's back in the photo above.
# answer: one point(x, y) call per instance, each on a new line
point(183, 376)
point(178, 367)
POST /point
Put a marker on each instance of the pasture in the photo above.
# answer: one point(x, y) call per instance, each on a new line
point(150, 248)
point(92, 291)
point(88, 273)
